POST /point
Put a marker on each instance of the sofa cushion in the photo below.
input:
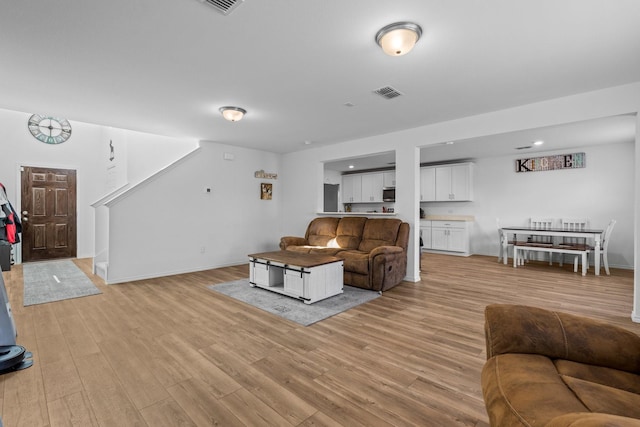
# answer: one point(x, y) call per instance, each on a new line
point(355, 261)
point(324, 251)
point(379, 232)
point(600, 375)
point(322, 232)
point(588, 419)
point(349, 232)
point(605, 399)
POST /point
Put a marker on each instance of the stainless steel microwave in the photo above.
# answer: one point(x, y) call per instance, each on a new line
point(389, 194)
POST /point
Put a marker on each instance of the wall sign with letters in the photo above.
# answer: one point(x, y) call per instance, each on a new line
point(265, 175)
point(549, 163)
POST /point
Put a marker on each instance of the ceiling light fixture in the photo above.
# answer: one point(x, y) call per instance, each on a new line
point(399, 38)
point(233, 114)
point(539, 142)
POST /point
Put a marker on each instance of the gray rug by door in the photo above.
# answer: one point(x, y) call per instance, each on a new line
point(291, 308)
point(49, 281)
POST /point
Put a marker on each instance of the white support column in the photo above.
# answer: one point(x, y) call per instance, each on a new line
point(408, 204)
point(635, 314)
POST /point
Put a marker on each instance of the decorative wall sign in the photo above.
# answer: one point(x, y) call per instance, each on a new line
point(264, 175)
point(549, 163)
point(266, 191)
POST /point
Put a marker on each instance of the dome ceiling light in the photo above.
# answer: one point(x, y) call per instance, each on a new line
point(399, 38)
point(233, 114)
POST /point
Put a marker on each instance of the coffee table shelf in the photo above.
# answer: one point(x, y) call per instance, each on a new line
point(308, 277)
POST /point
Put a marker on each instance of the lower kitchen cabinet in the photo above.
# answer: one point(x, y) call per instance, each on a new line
point(448, 236)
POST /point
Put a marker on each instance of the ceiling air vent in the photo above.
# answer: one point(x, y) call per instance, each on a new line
point(388, 92)
point(224, 6)
point(526, 147)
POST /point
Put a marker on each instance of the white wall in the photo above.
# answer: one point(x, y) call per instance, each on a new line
point(170, 225)
point(86, 152)
point(601, 191)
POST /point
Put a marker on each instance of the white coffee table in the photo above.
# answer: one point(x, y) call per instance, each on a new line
point(308, 277)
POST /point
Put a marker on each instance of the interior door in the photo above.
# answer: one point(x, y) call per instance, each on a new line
point(48, 213)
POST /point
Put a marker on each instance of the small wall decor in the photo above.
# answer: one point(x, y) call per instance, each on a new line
point(548, 163)
point(266, 191)
point(264, 175)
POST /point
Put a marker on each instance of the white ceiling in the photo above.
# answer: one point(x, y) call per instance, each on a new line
point(606, 130)
point(166, 66)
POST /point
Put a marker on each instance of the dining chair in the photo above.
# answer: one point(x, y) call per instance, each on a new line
point(604, 245)
point(541, 224)
point(574, 224)
point(502, 237)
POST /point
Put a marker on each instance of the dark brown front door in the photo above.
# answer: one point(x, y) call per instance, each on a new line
point(48, 213)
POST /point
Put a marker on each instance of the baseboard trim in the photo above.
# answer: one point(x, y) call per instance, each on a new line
point(634, 317)
point(168, 273)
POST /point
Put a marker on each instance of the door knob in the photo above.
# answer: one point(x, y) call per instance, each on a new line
point(25, 213)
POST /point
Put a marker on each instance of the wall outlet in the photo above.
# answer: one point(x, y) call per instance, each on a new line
point(208, 190)
point(203, 249)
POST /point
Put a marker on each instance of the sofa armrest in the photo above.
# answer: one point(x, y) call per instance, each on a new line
point(592, 419)
point(385, 250)
point(292, 241)
point(531, 330)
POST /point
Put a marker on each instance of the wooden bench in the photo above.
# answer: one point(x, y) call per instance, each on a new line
point(551, 248)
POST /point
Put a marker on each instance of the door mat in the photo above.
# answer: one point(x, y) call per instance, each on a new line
point(291, 308)
point(50, 281)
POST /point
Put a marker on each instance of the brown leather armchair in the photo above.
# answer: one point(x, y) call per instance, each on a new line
point(547, 368)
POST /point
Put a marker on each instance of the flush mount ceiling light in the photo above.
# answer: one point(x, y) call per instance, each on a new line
point(399, 38)
point(233, 114)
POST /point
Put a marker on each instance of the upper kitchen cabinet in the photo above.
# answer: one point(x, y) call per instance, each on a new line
point(453, 182)
point(389, 179)
point(428, 184)
point(352, 188)
point(447, 183)
point(372, 187)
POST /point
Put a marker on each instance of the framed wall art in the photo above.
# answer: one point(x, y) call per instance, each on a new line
point(266, 191)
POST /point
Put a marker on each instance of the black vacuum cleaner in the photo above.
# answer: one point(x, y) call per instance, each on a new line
point(12, 357)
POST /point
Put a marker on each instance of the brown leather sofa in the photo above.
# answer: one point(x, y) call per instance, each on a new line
point(553, 369)
point(374, 250)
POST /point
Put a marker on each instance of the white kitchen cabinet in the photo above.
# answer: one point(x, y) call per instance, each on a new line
point(389, 179)
point(428, 184)
point(454, 182)
point(450, 236)
point(371, 187)
point(351, 188)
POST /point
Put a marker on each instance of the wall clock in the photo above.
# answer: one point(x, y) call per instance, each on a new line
point(50, 130)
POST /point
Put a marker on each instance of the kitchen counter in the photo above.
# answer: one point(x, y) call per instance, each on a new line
point(469, 218)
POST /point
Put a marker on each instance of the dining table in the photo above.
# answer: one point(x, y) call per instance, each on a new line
point(595, 234)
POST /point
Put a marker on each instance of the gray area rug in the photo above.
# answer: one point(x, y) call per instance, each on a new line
point(291, 308)
point(50, 281)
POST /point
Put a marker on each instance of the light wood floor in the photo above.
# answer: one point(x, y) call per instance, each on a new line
point(169, 352)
